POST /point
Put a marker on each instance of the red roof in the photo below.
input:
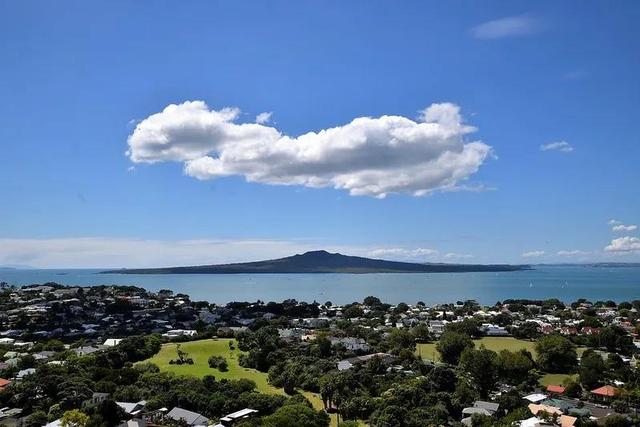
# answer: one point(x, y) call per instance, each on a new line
point(4, 383)
point(606, 390)
point(555, 389)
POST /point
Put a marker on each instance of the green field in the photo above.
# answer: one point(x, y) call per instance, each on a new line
point(200, 351)
point(428, 351)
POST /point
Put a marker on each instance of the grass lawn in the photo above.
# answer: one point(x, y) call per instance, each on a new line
point(200, 351)
point(555, 379)
point(428, 351)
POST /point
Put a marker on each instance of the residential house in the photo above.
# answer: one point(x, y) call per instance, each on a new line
point(605, 393)
point(132, 408)
point(345, 364)
point(230, 419)
point(188, 417)
point(555, 389)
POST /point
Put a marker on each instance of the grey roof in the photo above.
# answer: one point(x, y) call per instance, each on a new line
point(489, 406)
point(191, 418)
point(476, 410)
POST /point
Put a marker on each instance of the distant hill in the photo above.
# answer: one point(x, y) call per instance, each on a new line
point(15, 267)
point(323, 262)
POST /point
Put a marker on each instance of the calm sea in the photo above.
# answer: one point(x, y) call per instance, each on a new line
point(567, 283)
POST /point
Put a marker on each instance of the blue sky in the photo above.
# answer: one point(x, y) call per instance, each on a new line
point(551, 88)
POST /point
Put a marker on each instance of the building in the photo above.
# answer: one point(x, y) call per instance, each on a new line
point(605, 393)
point(555, 389)
point(345, 364)
point(132, 408)
point(490, 407)
point(190, 418)
point(352, 344)
point(242, 414)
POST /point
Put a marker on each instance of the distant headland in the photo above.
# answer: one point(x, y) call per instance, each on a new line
point(323, 262)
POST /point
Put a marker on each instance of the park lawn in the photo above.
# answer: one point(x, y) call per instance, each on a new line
point(200, 351)
point(428, 351)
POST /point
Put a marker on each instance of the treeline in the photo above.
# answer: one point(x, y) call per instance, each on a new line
point(57, 389)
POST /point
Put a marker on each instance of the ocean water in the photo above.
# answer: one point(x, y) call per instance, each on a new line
point(566, 283)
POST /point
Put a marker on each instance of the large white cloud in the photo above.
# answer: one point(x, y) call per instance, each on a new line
point(624, 244)
point(368, 156)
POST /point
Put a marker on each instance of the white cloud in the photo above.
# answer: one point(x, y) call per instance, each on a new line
point(402, 253)
point(131, 169)
point(263, 118)
point(624, 244)
point(622, 227)
point(368, 156)
point(562, 146)
point(105, 252)
point(415, 254)
point(532, 254)
point(453, 255)
point(575, 252)
point(614, 222)
point(505, 27)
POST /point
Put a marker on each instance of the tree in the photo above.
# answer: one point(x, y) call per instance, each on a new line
point(572, 388)
point(482, 366)
point(421, 333)
point(528, 330)
point(514, 366)
point(372, 301)
point(353, 311)
point(617, 421)
point(390, 416)
point(468, 327)
point(556, 354)
point(218, 362)
point(74, 418)
point(451, 345)
point(296, 415)
point(37, 419)
point(591, 369)
point(401, 308)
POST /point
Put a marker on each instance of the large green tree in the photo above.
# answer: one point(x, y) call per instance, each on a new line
point(556, 354)
point(482, 365)
point(296, 415)
point(451, 345)
point(591, 369)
